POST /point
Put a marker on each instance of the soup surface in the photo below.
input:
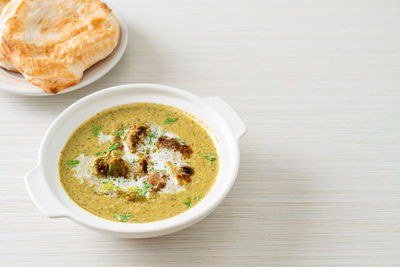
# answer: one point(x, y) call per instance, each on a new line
point(139, 163)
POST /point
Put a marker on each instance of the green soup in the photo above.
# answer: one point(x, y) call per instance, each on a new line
point(139, 163)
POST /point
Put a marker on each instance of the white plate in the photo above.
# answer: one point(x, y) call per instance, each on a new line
point(15, 83)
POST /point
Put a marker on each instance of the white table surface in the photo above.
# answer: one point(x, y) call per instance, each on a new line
point(318, 84)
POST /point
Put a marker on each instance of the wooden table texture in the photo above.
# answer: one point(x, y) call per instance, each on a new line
point(318, 85)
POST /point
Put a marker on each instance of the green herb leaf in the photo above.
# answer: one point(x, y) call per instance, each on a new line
point(198, 198)
point(210, 157)
point(120, 132)
point(123, 218)
point(154, 170)
point(107, 186)
point(95, 130)
point(73, 163)
point(109, 169)
point(152, 135)
point(188, 202)
point(170, 120)
point(180, 140)
point(162, 134)
point(142, 191)
point(114, 147)
point(100, 153)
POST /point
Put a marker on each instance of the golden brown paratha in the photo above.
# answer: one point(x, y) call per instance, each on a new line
point(4, 63)
point(52, 42)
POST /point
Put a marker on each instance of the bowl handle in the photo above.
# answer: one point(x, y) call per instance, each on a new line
point(235, 122)
point(42, 196)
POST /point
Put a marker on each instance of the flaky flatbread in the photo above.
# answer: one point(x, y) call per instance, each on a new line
point(4, 63)
point(52, 42)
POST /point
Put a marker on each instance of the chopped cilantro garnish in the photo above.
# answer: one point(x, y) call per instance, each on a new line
point(180, 140)
point(109, 169)
point(170, 120)
point(114, 147)
point(210, 157)
point(96, 129)
point(198, 198)
point(188, 202)
point(155, 170)
point(100, 153)
point(107, 186)
point(123, 218)
point(151, 136)
point(73, 163)
point(142, 191)
point(162, 134)
point(120, 132)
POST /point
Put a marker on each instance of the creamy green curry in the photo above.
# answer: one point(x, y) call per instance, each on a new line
point(139, 163)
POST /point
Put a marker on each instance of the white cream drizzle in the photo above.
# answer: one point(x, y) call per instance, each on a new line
point(160, 159)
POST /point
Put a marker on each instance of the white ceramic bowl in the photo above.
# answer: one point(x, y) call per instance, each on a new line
point(224, 126)
point(15, 83)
